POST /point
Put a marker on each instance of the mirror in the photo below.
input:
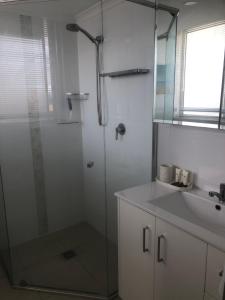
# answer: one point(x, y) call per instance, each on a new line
point(190, 63)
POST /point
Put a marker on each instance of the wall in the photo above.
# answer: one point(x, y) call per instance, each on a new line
point(128, 43)
point(196, 149)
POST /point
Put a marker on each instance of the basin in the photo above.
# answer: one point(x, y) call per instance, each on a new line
point(194, 208)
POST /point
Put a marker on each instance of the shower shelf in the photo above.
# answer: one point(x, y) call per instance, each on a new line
point(62, 122)
point(124, 73)
point(78, 96)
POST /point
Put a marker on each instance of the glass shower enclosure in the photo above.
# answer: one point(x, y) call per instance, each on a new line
point(59, 165)
point(56, 217)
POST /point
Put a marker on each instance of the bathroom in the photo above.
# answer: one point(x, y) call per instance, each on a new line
point(112, 118)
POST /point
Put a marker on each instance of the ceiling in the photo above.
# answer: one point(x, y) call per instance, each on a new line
point(57, 9)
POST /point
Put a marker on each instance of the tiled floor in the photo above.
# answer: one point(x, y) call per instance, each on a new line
point(40, 263)
point(8, 293)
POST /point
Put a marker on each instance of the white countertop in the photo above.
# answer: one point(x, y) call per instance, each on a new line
point(142, 196)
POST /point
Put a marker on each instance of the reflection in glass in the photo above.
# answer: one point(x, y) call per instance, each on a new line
point(166, 63)
point(200, 46)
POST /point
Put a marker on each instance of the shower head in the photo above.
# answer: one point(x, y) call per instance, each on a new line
point(77, 28)
point(73, 27)
point(97, 41)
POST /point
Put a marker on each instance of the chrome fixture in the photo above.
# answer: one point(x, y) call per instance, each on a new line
point(76, 97)
point(90, 164)
point(76, 28)
point(130, 72)
point(151, 4)
point(97, 41)
point(120, 130)
point(220, 195)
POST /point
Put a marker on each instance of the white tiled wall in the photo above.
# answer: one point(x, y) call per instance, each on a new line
point(199, 150)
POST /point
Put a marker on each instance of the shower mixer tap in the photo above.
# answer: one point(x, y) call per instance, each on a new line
point(120, 130)
point(90, 164)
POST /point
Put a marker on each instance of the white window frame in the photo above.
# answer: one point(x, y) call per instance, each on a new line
point(181, 108)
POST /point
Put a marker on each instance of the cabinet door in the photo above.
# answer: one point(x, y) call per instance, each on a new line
point(136, 253)
point(215, 266)
point(180, 264)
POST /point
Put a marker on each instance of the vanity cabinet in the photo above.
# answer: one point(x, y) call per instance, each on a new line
point(159, 261)
point(180, 264)
point(136, 253)
point(215, 265)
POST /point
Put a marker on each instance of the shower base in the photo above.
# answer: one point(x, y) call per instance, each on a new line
point(41, 264)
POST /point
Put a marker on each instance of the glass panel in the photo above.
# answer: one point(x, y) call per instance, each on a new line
point(129, 45)
point(204, 52)
point(202, 89)
point(60, 169)
point(166, 62)
point(52, 147)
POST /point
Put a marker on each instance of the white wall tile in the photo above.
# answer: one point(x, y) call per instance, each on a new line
point(199, 150)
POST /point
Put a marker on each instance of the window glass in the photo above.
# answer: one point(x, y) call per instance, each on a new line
point(204, 69)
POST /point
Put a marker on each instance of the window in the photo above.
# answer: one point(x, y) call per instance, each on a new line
point(203, 73)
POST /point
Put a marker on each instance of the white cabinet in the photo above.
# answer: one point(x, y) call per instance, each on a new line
point(158, 261)
point(180, 264)
point(215, 265)
point(136, 253)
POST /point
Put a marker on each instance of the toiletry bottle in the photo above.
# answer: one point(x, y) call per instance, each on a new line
point(178, 175)
point(185, 177)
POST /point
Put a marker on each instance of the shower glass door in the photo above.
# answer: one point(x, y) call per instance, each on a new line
point(59, 168)
point(52, 149)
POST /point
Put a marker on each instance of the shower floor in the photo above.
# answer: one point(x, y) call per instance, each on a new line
point(84, 268)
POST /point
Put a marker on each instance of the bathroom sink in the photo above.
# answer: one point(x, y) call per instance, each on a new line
point(194, 208)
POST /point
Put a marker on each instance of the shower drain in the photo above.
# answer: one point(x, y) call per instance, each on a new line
point(69, 254)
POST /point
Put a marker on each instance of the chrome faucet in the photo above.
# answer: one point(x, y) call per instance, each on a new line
point(221, 194)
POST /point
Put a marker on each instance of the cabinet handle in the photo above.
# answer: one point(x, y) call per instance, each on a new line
point(159, 258)
point(145, 230)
